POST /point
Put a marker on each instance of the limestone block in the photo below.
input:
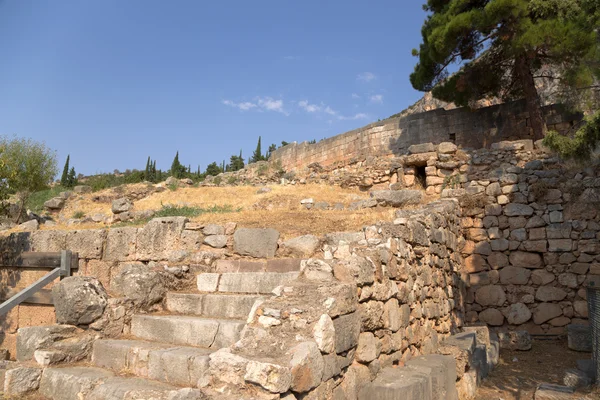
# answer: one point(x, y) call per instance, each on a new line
point(258, 243)
point(79, 300)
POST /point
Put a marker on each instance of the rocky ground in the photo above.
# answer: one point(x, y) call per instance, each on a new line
point(519, 373)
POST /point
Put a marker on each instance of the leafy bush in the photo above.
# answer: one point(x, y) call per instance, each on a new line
point(231, 180)
point(582, 145)
point(217, 180)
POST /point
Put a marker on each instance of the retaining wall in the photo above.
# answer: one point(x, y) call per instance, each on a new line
point(466, 128)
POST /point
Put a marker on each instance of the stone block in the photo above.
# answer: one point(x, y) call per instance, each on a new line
point(347, 331)
point(579, 337)
point(258, 243)
point(398, 384)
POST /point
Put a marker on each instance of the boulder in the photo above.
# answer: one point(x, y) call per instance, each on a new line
point(57, 203)
point(139, 283)
point(550, 293)
point(545, 312)
point(79, 300)
point(517, 314)
point(447, 148)
point(525, 260)
point(29, 226)
point(492, 317)
point(216, 241)
point(258, 243)
point(421, 148)
point(213, 229)
point(316, 270)
point(490, 295)
point(302, 246)
point(121, 205)
point(307, 367)
point(514, 276)
point(82, 189)
point(397, 198)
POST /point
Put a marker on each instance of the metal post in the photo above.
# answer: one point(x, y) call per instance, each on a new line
point(65, 263)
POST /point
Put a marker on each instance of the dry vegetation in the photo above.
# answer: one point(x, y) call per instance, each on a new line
point(279, 209)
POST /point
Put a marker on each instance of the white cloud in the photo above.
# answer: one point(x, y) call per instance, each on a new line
point(376, 98)
point(259, 104)
point(366, 76)
point(311, 108)
point(270, 104)
point(354, 117)
point(329, 111)
point(355, 96)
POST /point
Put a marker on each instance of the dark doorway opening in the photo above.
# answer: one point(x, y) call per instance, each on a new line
point(421, 176)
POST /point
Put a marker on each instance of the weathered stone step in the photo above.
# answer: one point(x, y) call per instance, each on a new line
point(89, 383)
point(187, 330)
point(214, 305)
point(244, 282)
point(180, 366)
point(429, 377)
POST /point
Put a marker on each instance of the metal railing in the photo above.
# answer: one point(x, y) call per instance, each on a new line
point(61, 263)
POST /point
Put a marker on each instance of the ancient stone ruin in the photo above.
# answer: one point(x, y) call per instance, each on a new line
point(486, 248)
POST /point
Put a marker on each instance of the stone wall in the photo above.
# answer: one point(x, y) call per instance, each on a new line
point(378, 298)
point(466, 128)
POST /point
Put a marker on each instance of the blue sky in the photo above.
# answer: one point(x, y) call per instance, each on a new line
point(111, 82)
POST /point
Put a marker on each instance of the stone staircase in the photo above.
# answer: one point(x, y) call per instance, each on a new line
point(167, 351)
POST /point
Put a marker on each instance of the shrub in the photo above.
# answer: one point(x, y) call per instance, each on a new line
point(78, 214)
point(231, 180)
point(173, 187)
point(217, 180)
point(262, 170)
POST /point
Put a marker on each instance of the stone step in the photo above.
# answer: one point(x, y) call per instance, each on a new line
point(90, 383)
point(187, 330)
point(430, 377)
point(180, 366)
point(244, 282)
point(214, 305)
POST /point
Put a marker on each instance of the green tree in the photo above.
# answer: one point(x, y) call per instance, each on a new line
point(65, 174)
point(236, 163)
point(177, 169)
point(27, 166)
point(213, 169)
point(270, 151)
point(582, 145)
point(504, 47)
point(257, 155)
point(283, 143)
point(72, 178)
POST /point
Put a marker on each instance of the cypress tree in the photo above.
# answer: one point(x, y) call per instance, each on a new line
point(148, 171)
point(64, 179)
point(71, 178)
point(257, 155)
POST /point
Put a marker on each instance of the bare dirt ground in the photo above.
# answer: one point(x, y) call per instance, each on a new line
point(520, 372)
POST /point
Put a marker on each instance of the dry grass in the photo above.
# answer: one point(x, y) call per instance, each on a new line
point(279, 209)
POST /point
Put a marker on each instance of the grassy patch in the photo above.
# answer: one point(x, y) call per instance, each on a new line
point(36, 201)
point(180, 211)
point(78, 214)
point(191, 212)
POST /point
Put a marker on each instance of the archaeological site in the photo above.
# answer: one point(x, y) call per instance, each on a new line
point(414, 258)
